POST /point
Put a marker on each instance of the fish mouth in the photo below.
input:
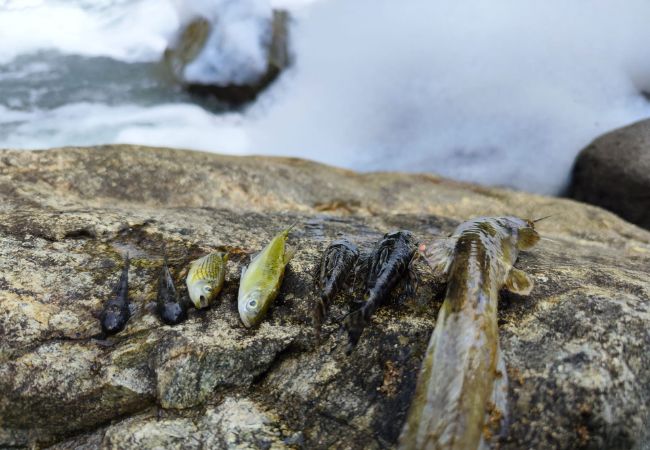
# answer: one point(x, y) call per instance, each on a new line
point(201, 303)
point(246, 321)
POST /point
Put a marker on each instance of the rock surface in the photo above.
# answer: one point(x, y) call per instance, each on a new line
point(613, 172)
point(576, 349)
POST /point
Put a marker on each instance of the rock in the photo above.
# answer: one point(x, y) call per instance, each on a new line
point(189, 370)
point(238, 423)
point(239, 88)
point(189, 44)
point(613, 172)
point(576, 349)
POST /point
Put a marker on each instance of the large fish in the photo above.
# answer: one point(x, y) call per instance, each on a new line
point(461, 387)
point(260, 281)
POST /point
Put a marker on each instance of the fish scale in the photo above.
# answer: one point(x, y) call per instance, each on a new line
point(207, 268)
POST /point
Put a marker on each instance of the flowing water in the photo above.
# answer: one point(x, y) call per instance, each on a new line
point(503, 92)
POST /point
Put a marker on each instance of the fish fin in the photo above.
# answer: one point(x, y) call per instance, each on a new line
point(288, 254)
point(318, 314)
point(354, 324)
point(243, 271)
point(439, 254)
point(150, 307)
point(528, 237)
point(518, 282)
point(254, 256)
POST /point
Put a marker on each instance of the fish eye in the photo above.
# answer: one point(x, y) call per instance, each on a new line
point(252, 303)
point(207, 288)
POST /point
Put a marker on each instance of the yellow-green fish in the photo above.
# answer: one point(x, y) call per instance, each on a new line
point(205, 278)
point(261, 280)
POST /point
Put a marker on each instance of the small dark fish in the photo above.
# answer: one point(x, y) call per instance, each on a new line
point(336, 266)
point(116, 312)
point(171, 308)
point(388, 264)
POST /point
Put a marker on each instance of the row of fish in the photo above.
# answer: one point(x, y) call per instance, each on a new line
point(259, 285)
point(460, 396)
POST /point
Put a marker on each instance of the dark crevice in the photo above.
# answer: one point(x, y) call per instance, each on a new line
point(81, 233)
point(290, 350)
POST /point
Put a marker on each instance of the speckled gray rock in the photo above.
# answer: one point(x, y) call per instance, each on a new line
point(613, 172)
point(576, 349)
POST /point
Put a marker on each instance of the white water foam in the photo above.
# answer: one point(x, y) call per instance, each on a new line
point(501, 92)
point(129, 31)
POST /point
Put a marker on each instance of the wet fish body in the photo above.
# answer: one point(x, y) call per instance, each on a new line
point(261, 280)
point(171, 308)
point(388, 264)
point(116, 312)
point(463, 372)
point(205, 278)
point(336, 265)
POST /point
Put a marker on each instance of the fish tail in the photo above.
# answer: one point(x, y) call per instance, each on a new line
point(356, 322)
point(164, 253)
point(354, 325)
point(127, 266)
point(291, 227)
point(122, 287)
point(320, 310)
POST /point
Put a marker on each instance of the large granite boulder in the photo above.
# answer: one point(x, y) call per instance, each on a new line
point(576, 349)
point(613, 172)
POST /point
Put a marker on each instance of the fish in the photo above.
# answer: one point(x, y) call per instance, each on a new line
point(206, 277)
point(116, 312)
point(337, 263)
point(260, 281)
point(462, 384)
point(171, 308)
point(388, 264)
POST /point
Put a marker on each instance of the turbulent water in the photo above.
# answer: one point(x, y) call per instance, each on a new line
point(503, 92)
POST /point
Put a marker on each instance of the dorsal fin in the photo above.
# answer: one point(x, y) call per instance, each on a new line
point(439, 254)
